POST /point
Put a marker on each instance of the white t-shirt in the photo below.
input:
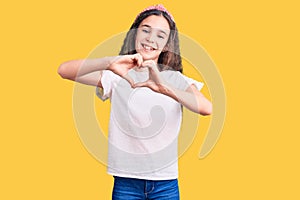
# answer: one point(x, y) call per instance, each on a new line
point(144, 126)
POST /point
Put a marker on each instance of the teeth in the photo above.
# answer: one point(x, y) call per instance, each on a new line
point(147, 47)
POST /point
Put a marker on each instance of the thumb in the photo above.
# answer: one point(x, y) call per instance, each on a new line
point(129, 79)
point(141, 84)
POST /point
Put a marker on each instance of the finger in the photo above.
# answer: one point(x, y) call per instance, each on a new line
point(141, 84)
point(149, 63)
point(139, 59)
point(145, 64)
point(129, 79)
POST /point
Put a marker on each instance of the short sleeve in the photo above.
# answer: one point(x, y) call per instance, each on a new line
point(181, 81)
point(190, 81)
point(108, 81)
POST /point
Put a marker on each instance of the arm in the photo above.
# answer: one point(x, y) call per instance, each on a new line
point(88, 71)
point(191, 98)
point(84, 71)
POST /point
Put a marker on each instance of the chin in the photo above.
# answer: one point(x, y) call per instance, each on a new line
point(148, 56)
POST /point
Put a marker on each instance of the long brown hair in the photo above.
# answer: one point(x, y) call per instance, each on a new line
point(168, 59)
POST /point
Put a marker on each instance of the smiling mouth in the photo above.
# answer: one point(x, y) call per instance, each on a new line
point(147, 47)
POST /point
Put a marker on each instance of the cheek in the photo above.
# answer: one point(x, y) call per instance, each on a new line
point(137, 39)
point(162, 44)
point(139, 35)
point(136, 42)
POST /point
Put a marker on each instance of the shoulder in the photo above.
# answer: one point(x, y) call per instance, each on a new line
point(173, 76)
point(180, 80)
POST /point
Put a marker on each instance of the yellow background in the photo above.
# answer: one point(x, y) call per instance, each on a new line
point(255, 45)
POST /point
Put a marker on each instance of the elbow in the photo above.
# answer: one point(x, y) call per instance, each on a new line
point(207, 110)
point(63, 71)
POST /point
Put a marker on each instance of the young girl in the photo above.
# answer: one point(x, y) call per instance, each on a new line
point(147, 91)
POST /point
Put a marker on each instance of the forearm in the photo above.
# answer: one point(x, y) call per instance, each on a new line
point(77, 68)
point(191, 99)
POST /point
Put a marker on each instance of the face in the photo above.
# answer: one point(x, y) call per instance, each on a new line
point(152, 37)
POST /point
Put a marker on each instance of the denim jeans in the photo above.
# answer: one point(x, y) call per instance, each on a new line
point(139, 189)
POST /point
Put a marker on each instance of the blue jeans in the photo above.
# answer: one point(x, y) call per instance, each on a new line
point(140, 189)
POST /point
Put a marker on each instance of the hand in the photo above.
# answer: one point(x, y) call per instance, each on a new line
point(122, 64)
point(155, 82)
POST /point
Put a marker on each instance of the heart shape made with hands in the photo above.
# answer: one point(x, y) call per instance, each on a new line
point(122, 64)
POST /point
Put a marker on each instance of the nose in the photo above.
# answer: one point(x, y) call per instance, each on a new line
point(150, 38)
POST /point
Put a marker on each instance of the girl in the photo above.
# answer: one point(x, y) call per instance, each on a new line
point(147, 91)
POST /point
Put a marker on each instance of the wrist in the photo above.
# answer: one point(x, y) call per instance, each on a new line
point(108, 62)
point(167, 90)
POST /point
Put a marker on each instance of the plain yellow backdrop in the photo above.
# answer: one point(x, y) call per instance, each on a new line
point(255, 45)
